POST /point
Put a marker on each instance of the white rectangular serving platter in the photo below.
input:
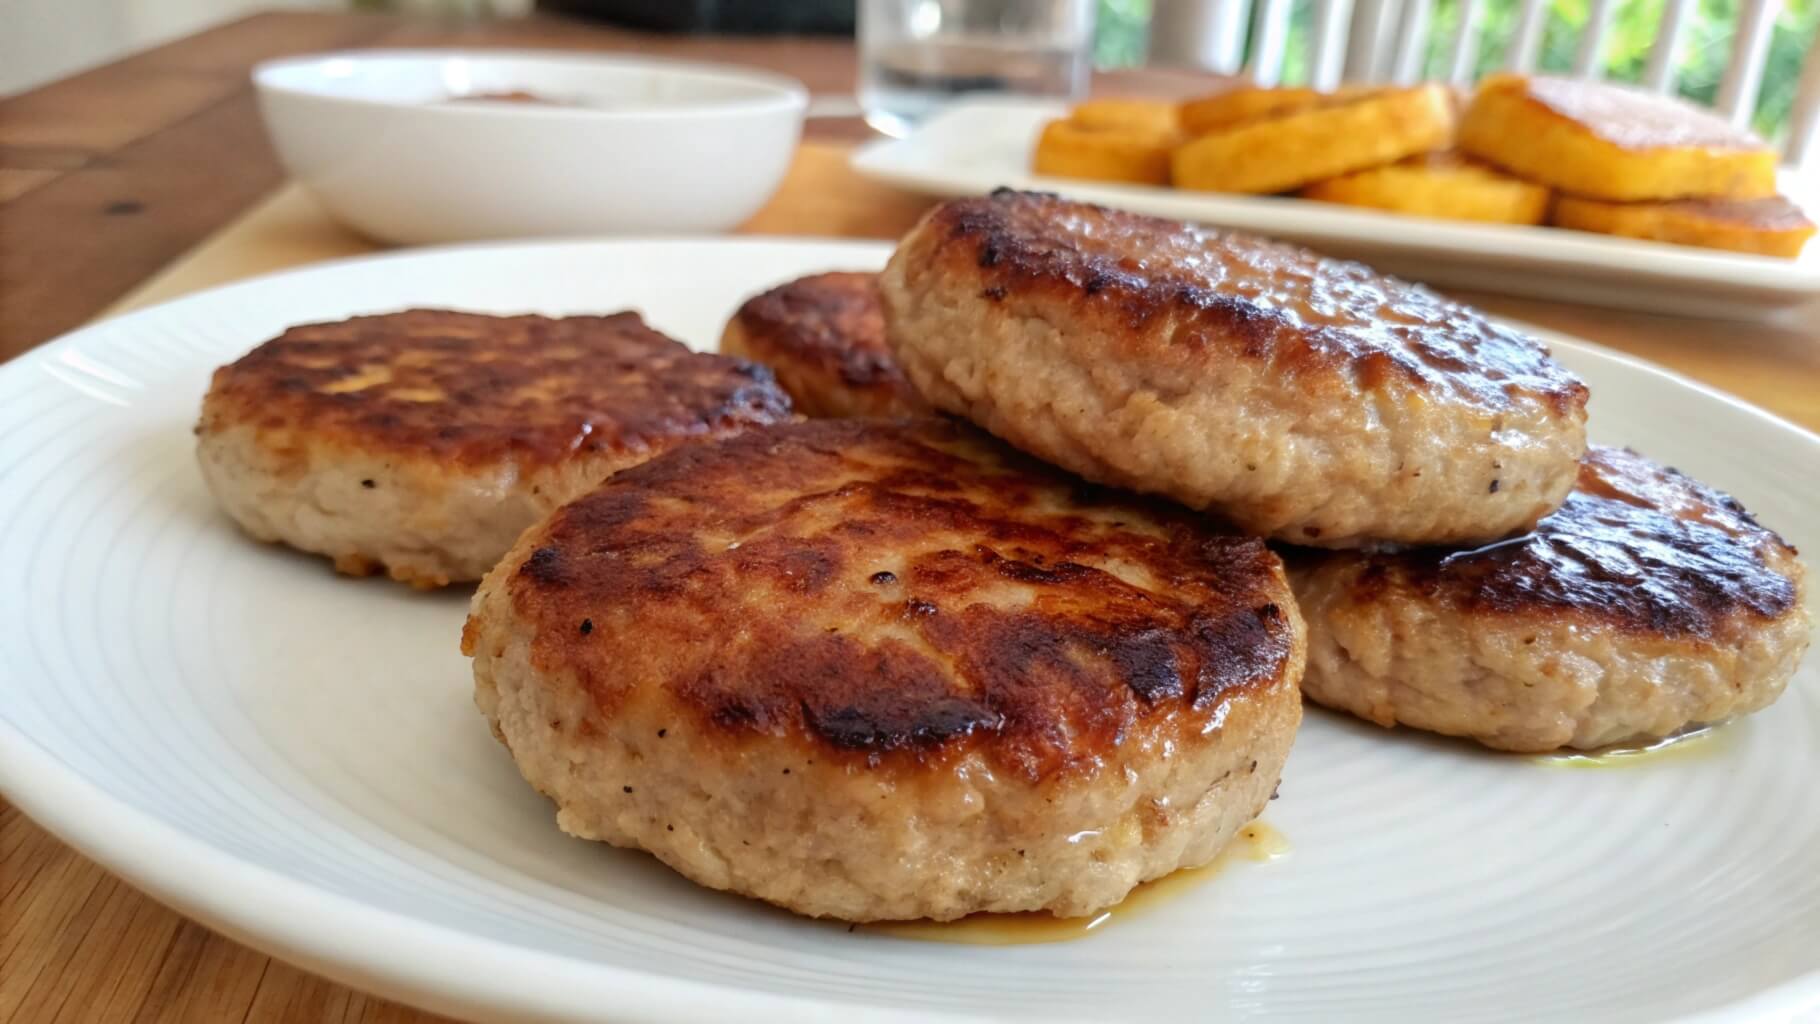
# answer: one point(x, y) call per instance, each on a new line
point(979, 145)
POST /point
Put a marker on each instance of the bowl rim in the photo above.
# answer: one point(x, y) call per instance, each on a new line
point(772, 92)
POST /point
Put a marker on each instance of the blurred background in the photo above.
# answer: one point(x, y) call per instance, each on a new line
point(46, 39)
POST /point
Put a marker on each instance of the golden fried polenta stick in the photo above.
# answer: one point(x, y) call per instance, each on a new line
point(1157, 116)
point(1445, 185)
point(1287, 152)
point(1770, 227)
point(1223, 110)
point(1613, 142)
point(1067, 150)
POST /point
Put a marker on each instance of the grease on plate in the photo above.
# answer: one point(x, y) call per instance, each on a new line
point(1256, 842)
point(1694, 742)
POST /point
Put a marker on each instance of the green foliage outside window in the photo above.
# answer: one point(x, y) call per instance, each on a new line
point(1121, 34)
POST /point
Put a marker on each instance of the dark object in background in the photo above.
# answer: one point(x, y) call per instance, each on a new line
point(740, 17)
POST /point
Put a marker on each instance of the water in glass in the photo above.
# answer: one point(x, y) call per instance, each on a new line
point(917, 55)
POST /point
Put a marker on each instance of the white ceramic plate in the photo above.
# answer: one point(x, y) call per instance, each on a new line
point(979, 145)
point(294, 757)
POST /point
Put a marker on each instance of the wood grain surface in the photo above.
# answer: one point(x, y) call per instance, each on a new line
point(108, 178)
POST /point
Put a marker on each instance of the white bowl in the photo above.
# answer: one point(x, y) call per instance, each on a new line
point(634, 146)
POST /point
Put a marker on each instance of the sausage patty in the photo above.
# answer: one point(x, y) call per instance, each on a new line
point(424, 442)
point(1647, 603)
point(880, 670)
point(1304, 398)
point(824, 335)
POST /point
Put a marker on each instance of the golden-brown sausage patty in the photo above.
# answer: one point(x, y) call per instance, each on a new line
point(1304, 398)
point(424, 442)
point(824, 335)
point(871, 669)
point(1648, 602)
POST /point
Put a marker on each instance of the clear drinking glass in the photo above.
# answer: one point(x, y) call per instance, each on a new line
point(916, 55)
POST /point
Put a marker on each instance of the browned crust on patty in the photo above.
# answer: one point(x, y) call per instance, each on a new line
point(1328, 324)
point(471, 389)
point(901, 592)
point(824, 335)
point(1638, 547)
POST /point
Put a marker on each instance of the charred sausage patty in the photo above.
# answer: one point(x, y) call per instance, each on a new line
point(883, 670)
point(1303, 398)
point(422, 443)
point(1649, 602)
point(824, 336)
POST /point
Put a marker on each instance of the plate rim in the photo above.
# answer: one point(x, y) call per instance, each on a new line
point(356, 943)
point(406, 957)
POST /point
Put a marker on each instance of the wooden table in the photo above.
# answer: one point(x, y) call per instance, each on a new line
point(108, 177)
